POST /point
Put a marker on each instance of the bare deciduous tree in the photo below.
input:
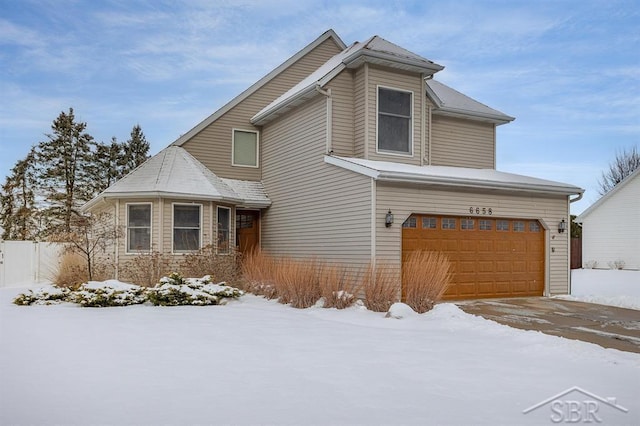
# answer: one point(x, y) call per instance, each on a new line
point(625, 163)
point(89, 237)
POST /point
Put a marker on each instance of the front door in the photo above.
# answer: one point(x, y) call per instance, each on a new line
point(247, 230)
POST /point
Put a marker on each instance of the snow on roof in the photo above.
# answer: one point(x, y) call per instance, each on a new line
point(451, 176)
point(173, 172)
point(376, 48)
point(452, 102)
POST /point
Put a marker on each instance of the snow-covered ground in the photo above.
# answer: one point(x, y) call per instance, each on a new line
point(255, 361)
point(607, 287)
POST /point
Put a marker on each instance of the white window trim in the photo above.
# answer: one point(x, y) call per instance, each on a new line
point(126, 242)
point(173, 251)
point(233, 148)
point(394, 153)
point(229, 249)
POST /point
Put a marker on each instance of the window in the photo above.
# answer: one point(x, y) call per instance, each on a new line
point(486, 225)
point(518, 226)
point(394, 121)
point(186, 227)
point(138, 227)
point(410, 223)
point(534, 226)
point(224, 225)
point(245, 148)
point(429, 223)
point(448, 223)
point(467, 224)
point(502, 225)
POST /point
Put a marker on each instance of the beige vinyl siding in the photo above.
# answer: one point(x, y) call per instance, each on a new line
point(342, 113)
point(359, 91)
point(462, 143)
point(394, 79)
point(317, 210)
point(212, 146)
point(405, 200)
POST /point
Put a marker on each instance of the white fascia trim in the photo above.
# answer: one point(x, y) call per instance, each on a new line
point(264, 116)
point(257, 85)
point(175, 196)
point(405, 177)
point(363, 53)
point(357, 168)
point(606, 196)
point(462, 113)
point(261, 118)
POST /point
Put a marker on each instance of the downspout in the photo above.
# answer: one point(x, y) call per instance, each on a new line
point(571, 200)
point(116, 251)
point(329, 132)
point(423, 120)
point(366, 110)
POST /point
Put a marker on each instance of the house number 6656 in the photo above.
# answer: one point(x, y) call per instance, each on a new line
point(480, 210)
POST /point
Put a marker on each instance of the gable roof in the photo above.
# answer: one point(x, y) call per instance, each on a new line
point(329, 34)
point(375, 50)
point(451, 176)
point(174, 173)
point(453, 103)
point(624, 182)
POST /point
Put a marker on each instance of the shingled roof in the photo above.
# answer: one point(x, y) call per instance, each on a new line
point(174, 173)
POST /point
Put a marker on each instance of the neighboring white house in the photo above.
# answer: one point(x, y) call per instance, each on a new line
point(611, 227)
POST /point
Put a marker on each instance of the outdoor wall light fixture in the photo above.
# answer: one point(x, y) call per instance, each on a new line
point(562, 226)
point(388, 219)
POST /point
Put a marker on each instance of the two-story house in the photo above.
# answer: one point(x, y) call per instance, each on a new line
point(353, 155)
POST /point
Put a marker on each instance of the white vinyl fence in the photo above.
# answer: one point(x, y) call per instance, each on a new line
point(24, 263)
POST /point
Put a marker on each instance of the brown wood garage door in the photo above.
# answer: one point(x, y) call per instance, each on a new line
point(490, 257)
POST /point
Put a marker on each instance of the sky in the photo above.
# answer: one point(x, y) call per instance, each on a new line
point(569, 71)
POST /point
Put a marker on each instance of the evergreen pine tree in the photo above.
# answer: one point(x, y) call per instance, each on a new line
point(108, 165)
point(64, 174)
point(136, 149)
point(18, 211)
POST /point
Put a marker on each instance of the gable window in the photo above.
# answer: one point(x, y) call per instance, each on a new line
point(138, 227)
point(187, 220)
point(245, 148)
point(394, 121)
point(224, 225)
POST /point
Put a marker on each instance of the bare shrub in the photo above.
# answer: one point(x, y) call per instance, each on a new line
point(71, 271)
point(259, 274)
point(425, 277)
point(297, 282)
point(381, 285)
point(221, 267)
point(146, 269)
point(617, 264)
point(338, 287)
point(591, 264)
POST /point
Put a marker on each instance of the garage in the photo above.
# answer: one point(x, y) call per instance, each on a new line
point(491, 257)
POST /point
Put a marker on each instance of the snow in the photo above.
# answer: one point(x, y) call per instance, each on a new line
point(606, 287)
point(465, 176)
point(256, 361)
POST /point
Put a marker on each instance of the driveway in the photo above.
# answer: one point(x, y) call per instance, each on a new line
point(606, 326)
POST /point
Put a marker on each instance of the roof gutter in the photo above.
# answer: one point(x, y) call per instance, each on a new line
point(433, 67)
point(468, 183)
point(173, 195)
point(262, 117)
